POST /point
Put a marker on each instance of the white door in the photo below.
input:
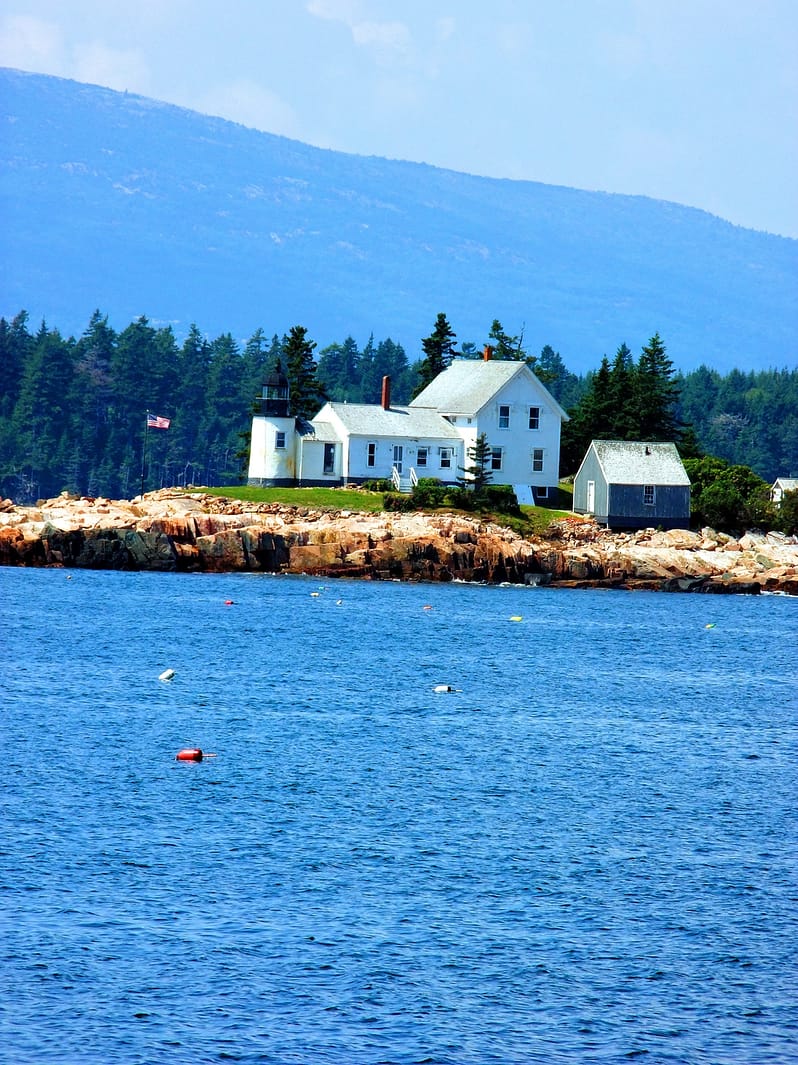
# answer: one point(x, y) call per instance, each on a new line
point(398, 452)
point(591, 497)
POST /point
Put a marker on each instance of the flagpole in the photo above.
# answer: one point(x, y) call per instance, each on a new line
point(144, 450)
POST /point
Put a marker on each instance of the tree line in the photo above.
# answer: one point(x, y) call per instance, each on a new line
point(73, 410)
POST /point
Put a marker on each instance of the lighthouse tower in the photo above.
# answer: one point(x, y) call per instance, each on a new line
point(272, 451)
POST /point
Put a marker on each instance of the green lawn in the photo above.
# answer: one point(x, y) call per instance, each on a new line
point(534, 520)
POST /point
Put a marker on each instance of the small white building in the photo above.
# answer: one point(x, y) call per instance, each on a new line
point(349, 443)
point(782, 485)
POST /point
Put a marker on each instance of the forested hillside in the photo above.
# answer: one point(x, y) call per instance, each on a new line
point(112, 200)
point(73, 410)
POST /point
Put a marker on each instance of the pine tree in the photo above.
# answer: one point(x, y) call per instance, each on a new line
point(623, 418)
point(656, 394)
point(306, 392)
point(439, 350)
point(506, 348)
point(478, 472)
point(338, 371)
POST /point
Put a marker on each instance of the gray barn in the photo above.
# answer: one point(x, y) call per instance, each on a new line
point(631, 484)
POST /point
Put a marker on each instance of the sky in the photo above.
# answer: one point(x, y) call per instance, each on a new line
point(694, 101)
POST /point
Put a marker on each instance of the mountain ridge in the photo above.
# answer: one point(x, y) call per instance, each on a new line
point(141, 207)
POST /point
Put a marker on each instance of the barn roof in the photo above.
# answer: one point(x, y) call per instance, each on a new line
point(640, 462)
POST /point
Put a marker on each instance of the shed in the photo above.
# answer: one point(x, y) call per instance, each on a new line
point(782, 485)
point(633, 484)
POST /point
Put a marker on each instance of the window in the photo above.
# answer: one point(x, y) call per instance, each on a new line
point(648, 495)
point(421, 457)
point(329, 458)
point(371, 454)
point(537, 460)
point(446, 458)
point(542, 493)
point(534, 417)
point(279, 440)
point(504, 416)
point(496, 458)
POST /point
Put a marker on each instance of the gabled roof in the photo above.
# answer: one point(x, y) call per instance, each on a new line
point(786, 484)
point(370, 419)
point(468, 384)
point(640, 462)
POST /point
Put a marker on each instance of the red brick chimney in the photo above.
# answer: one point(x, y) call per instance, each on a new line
point(386, 393)
point(487, 353)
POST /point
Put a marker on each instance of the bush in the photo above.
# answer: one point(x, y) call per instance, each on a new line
point(500, 497)
point(787, 514)
point(460, 498)
point(397, 502)
point(429, 493)
point(382, 485)
point(728, 497)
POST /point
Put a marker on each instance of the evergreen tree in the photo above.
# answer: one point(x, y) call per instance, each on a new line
point(338, 370)
point(507, 348)
point(40, 422)
point(439, 350)
point(191, 423)
point(591, 419)
point(656, 394)
point(623, 420)
point(565, 386)
point(478, 472)
point(306, 391)
point(257, 358)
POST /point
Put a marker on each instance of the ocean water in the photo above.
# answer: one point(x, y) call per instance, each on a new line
point(585, 853)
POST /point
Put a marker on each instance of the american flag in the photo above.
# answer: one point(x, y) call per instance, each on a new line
point(154, 421)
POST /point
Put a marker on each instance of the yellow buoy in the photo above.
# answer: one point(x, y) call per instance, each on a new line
point(516, 617)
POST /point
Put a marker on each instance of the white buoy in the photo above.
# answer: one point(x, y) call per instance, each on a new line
point(167, 674)
point(441, 688)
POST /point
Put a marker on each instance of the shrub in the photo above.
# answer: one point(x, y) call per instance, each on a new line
point(458, 497)
point(397, 502)
point(500, 497)
point(384, 484)
point(429, 492)
point(787, 515)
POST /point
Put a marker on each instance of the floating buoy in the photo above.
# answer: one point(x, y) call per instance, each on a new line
point(314, 595)
point(441, 688)
point(229, 602)
point(167, 674)
point(427, 606)
point(516, 617)
point(189, 754)
point(338, 602)
point(710, 626)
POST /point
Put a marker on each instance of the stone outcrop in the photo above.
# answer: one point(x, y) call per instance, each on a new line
point(169, 530)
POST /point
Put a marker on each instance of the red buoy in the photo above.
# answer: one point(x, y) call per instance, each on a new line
point(189, 754)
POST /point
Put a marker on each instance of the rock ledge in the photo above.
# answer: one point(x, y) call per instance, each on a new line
point(171, 530)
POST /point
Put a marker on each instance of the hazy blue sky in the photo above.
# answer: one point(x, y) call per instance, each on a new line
point(688, 100)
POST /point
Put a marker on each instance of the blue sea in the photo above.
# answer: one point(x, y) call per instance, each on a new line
point(584, 853)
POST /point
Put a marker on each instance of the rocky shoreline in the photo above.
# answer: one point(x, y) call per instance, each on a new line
point(174, 531)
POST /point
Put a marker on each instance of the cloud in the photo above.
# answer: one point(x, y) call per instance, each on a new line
point(386, 38)
point(30, 44)
point(249, 104)
point(35, 44)
point(114, 68)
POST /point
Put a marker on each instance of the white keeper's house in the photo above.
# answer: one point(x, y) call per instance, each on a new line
point(349, 443)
